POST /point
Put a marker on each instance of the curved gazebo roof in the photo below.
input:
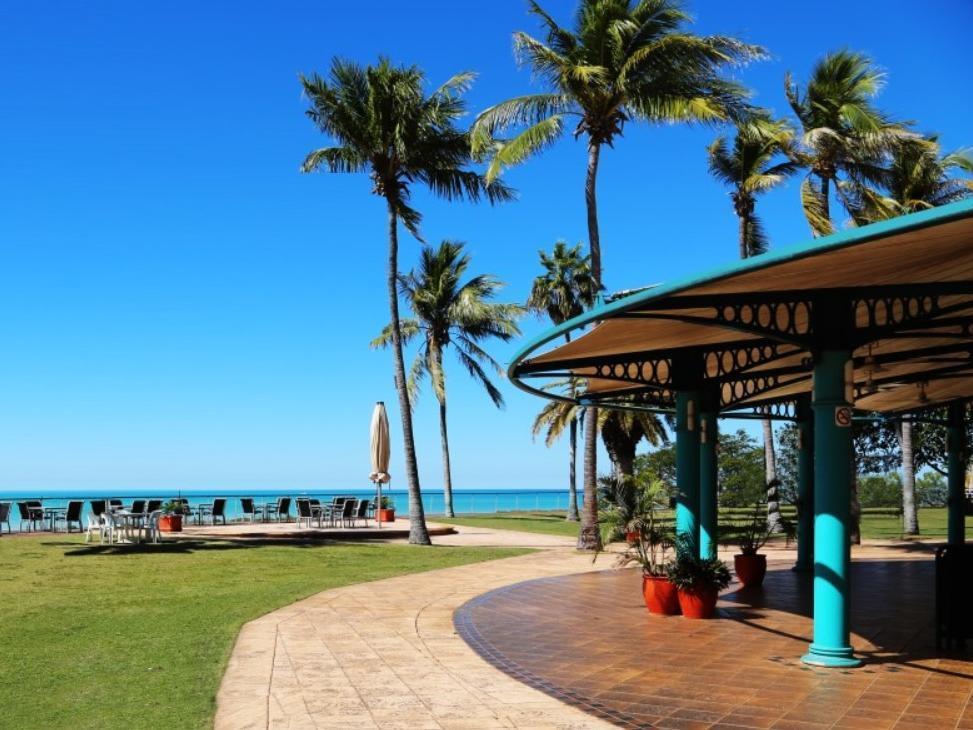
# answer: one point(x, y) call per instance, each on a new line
point(898, 294)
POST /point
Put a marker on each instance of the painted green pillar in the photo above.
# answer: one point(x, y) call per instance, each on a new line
point(831, 645)
point(805, 489)
point(687, 466)
point(708, 439)
point(956, 472)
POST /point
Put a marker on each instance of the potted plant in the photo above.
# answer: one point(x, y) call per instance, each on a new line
point(172, 514)
point(698, 580)
point(618, 509)
point(650, 550)
point(749, 565)
point(386, 510)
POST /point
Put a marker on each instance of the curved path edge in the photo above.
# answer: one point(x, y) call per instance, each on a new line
point(387, 655)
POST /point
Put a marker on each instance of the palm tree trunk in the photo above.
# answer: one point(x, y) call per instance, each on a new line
point(572, 472)
point(826, 197)
point(770, 467)
point(572, 515)
point(444, 439)
point(910, 516)
point(589, 536)
point(744, 248)
point(418, 534)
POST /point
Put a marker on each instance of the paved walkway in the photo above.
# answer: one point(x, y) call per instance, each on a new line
point(386, 655)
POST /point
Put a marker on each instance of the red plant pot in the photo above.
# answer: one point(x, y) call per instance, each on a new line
point(386, 515)
point(660, 595)
point(750, 569)
point(698, 602)
point(631, 537)
point(170, 523)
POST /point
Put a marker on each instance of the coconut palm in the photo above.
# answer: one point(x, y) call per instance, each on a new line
point(621, 60)
point(756, 162)
point(564, 290)
point(623, 430)
point(917, 177)
point(753, 163)
point(844, 136)
point(447, 312)
point(383, 124)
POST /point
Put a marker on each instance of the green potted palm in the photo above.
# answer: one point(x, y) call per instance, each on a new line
point(386, 509)
point(650, 548)
point(697, 580)
point(171, 518)
point(749, 564)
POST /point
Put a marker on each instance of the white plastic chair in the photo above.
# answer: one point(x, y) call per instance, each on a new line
point(100, 525)
point(150, 527)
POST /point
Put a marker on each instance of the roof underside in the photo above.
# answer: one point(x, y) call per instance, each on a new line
point(904, 292)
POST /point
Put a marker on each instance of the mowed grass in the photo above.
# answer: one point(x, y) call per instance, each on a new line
point(876, 524)
point(94, 637)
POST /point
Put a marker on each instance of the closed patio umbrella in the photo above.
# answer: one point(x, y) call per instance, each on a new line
point(380, 455)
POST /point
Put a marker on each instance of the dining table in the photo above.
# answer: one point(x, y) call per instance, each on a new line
point(52, 513)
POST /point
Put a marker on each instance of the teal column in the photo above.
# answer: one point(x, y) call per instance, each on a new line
point(687, 466)
point(805, 491)
point(956, 472)
point(708, 439)
point(831, 645)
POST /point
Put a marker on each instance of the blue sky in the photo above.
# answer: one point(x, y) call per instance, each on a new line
point(180, 307)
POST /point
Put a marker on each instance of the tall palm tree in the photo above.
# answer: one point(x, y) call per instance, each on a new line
point(447, 312)
point(918, 176)
point(623, 430)
point(756, 162)
point(564, 290)
point(621, 60)
point(383, 123)
point(844, 136)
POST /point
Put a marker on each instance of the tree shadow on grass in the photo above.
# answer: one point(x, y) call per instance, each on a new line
point(190, 545)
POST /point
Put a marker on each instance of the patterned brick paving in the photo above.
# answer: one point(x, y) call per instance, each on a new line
point(588, 640)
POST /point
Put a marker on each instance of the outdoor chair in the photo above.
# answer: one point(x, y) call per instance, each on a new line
point(215, 512)
point(348, 512)
point(104, 525)
point(5, 516)
point(249, 513)
point(281, 510)
point(154, 505)
point(335, 509)
point(138, 507)
point(72, 515)
point(98, 507)
point(307, 513)
point(361, 512)
point(149, 529)
point(30, 514)
point(115, 504)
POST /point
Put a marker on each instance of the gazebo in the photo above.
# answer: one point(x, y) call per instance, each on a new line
point(875, 321)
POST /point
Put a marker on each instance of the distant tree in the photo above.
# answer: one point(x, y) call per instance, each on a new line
point(741, 470)
point(880, 490)
point(931, 489)
point(450, 313)
point(563, 291)
point(787, 454)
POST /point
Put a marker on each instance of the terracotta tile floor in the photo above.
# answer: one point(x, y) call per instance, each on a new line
point(588, 640)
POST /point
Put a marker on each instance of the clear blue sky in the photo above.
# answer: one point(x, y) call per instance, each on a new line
point(179, 307)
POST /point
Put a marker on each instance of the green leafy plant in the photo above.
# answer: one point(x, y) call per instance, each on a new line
point(387, 503)
point(654, 537)
point(688, 572)
point(755, 534)
point(174, 507)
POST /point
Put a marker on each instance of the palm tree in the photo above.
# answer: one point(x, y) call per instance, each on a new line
point(384, 124)
point(844, 137)
point(446, 313)
point(757, 162)
point(621, 60)
point(564, 290)
point(917, 177)
point(621, 432)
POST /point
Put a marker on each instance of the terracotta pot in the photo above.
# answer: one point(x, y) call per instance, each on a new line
point(698, 602)
point(631, 537)
point(386, 515)
point(170, 523)
point(750, 569)
point(660, 595)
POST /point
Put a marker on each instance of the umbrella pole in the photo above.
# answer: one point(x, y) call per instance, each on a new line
point(378, 504)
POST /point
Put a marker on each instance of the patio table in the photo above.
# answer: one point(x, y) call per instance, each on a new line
point(130, 520)
point(263, 509)
point(51, 513)
point(200, 509)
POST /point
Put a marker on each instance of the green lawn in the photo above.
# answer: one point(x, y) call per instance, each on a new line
point(114, 637)
point(877, 524)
